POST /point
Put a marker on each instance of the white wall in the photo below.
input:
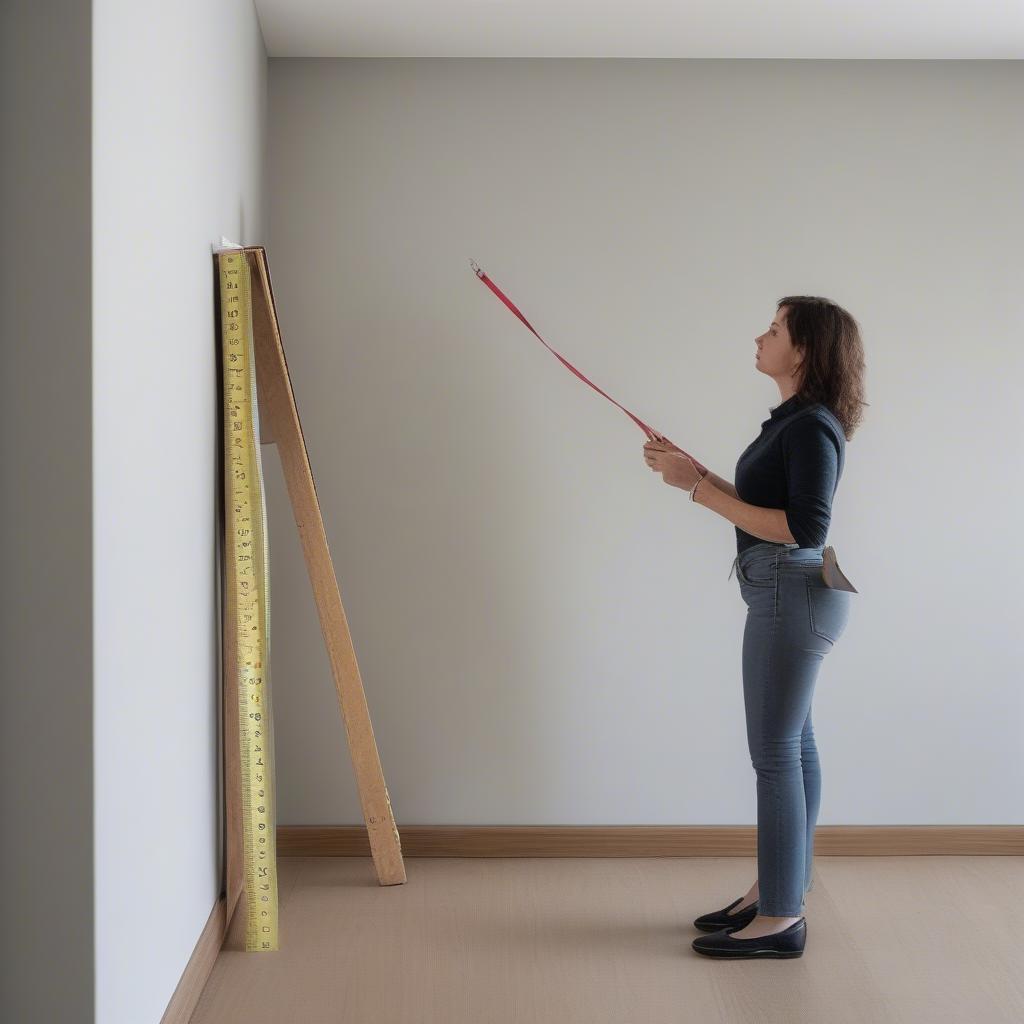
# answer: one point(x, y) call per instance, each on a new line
point(178, 107)
point(46, 637)
point(546, 631)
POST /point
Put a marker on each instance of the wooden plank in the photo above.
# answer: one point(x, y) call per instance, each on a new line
point(279, 421)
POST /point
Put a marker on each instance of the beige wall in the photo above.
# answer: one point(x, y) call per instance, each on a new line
point(546, 631)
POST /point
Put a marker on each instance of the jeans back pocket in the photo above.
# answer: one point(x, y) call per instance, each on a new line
point(828, 609)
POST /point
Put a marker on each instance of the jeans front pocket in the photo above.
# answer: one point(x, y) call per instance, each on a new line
point(829, 609)
point(759, 572)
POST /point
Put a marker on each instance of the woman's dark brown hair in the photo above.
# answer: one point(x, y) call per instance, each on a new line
point(833, 356)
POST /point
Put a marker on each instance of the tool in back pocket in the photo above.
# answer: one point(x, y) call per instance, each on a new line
point(832, 574)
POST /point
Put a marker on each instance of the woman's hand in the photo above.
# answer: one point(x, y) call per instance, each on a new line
point(675, 467)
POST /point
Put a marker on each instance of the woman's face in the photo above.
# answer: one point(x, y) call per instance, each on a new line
point(776, 355)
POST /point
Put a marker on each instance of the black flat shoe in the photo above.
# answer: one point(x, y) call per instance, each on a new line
point(719, 919)
point(782, 945)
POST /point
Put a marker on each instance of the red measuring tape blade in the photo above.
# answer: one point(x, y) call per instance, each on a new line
point(652, 434)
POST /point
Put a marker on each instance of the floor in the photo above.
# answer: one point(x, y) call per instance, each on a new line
point(607, 941)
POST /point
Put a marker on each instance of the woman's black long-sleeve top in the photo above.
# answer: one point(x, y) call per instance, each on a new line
point(795, 463)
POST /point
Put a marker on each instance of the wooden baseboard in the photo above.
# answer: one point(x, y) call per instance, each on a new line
point(200, 964)
point(651, 840)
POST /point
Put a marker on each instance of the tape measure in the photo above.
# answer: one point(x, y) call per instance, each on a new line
point(248, 600)
point(652, 434)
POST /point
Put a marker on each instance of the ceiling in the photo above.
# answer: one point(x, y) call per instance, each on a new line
point(784, 29)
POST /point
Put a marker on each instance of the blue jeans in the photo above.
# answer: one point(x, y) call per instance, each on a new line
point(793, 621)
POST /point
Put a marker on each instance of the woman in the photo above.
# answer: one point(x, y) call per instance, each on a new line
point(781, 506)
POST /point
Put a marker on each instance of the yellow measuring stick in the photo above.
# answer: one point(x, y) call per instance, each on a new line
point(247, 605)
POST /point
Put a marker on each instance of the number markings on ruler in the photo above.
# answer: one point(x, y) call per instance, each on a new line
point(250, 599)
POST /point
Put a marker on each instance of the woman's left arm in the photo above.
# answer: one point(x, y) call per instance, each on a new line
point(766, 523)
point(810, 457)
point(679, 470)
